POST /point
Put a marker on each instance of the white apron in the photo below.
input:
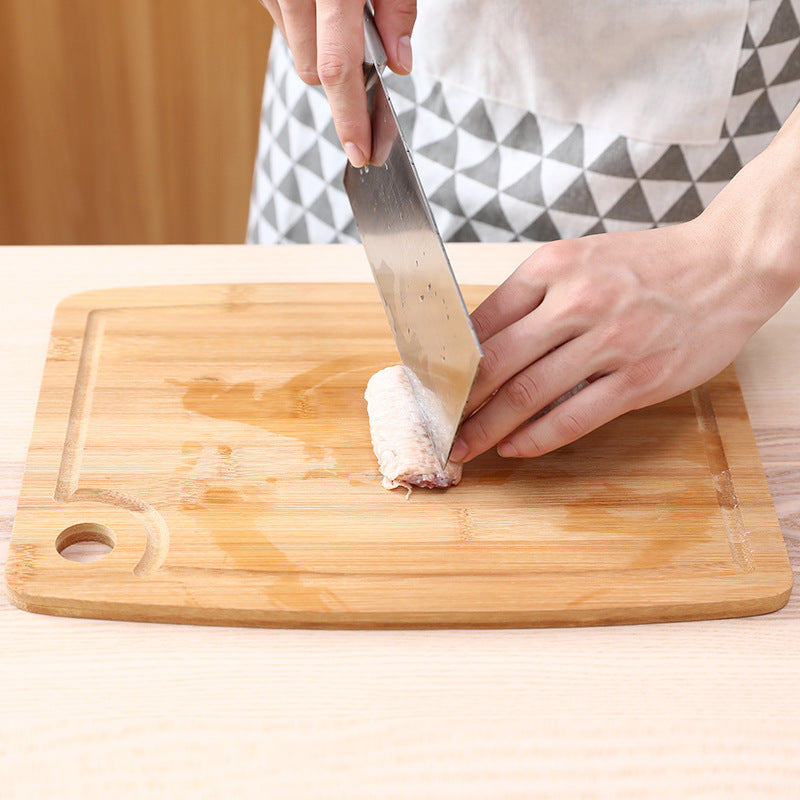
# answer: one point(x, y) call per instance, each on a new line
point(646, 69)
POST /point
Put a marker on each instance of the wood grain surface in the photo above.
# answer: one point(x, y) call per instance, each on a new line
point(93, 708)
point(129, 123)
point(215, 438)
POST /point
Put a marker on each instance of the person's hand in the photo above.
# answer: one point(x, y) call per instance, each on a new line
point(640, 316)
point(326, 38)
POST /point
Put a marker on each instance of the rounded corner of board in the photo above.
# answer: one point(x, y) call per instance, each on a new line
point(17, 594)
point(75, 300)
point(784, 591)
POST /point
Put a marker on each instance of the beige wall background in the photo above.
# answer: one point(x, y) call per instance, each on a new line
point(128, 121)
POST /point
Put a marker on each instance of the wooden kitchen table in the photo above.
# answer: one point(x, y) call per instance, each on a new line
point(113, 709)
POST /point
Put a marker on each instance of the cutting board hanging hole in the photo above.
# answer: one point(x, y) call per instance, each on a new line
point(230, 454)
point(85, 541)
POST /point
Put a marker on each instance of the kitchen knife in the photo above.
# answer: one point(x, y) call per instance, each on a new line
point(426, 312)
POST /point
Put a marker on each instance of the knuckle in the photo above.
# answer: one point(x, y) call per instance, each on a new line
point(406, 8)
point(476, 435)
point(479, 434)
point(492, 359)
point(571, 426)
point(550, 252)
point(540, 263)
point(527, 443)
point(617, 339)
point(642, 381)
point(403, 13)
point(549, 433)
point(552, 256)
point(615, 331)
point(522, 393)
point(586, 298)
point(481, 323)
point(641, 373)
point(406, 15)
point(333, 70)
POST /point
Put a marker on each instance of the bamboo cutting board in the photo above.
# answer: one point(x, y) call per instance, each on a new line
point(214, 439)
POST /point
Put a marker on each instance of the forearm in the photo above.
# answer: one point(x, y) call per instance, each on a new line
point(758, 214)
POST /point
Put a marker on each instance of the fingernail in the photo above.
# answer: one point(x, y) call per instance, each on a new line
point(405, 59)
point(354, 154)
point(459, 450)
point(507, 450)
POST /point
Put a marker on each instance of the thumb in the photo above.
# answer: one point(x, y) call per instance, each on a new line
point(395, 20)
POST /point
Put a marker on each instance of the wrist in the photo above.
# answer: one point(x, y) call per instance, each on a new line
point(756, 222)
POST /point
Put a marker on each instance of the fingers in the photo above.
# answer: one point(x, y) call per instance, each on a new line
point(395, 20)
point(299, 28)
point(340, 55)
point(595, 405)
point(274, 10)
point(521, 343)
point(520, 398)
point(326, 38)
point(517, 296)
point(635, 315)
point(508, 334)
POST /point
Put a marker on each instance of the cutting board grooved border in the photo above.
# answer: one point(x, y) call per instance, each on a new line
point(68, 488)
point(732, 519)
point(639, 521)
point(78, 420)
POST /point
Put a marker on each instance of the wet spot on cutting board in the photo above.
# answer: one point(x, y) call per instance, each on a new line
point(322, 407)
point(283, 581)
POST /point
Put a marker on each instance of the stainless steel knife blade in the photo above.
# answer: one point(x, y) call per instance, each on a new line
point(426, 311)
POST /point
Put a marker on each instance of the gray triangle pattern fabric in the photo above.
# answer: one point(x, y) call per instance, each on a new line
point(499, 173)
